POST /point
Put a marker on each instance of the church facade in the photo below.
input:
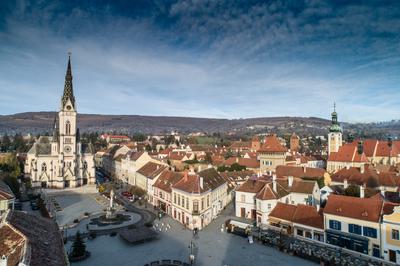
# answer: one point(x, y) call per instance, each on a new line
point(61, 160)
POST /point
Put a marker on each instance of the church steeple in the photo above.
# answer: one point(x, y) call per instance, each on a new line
point(55, 129)
point(68, 88)
point(335, 126)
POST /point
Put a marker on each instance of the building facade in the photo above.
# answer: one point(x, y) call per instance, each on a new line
point(335, 134)
point(61, 160)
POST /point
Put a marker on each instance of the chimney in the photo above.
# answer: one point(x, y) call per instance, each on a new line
point(274, 182)
point(290, 181)
point(345, 184)
point(362, 169)
point(360, 147)
point(201, 182)
point(209, 166)
point(199, 168)
point(304, 169)
point(362, 191)
point(237, 159)
point(318, 207)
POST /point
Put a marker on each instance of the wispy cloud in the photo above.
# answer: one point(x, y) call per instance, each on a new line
point(204, 58)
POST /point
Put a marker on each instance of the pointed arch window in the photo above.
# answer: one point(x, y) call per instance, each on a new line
point(67, 128)
point(44, 167)
point(85, 165)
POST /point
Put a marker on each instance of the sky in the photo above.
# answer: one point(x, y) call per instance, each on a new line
point(200, 58)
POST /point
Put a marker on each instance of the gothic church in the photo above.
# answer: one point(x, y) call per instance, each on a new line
point(62, 160)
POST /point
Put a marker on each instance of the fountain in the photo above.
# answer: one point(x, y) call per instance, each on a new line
point(110, 214)
point(112, 219)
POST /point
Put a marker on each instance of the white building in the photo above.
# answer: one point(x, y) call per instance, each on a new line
point(61, 160)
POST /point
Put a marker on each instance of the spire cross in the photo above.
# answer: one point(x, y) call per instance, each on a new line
point(334, 106)
point(69, 53)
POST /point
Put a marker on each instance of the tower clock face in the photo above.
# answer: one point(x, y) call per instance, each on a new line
point(67, 149)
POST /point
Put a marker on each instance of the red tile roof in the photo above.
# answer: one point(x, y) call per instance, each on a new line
point(348, 153)
point(367, 209)
point(191, 182)
point(248, 162)
point(300, 172)
point(272, 144)
point(283, 211)
point(300, 214)
point(151, 170)
point(167, 179)
point(252, 186)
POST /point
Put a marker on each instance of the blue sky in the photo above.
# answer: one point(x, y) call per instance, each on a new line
point(224, 59)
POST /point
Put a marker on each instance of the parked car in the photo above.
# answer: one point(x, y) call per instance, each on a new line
point(131, 198)
point(127, 194)
point(34, 206)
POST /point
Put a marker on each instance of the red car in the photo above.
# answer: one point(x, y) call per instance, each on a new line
point(126, 194)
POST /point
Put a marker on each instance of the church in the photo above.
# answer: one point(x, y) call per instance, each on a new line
point(61, 160)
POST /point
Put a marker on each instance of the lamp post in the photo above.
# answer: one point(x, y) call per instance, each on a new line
point(191, 255)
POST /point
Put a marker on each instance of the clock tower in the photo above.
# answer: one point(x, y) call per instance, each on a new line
point(62, 160)
point(67, 124)
point(335, 133)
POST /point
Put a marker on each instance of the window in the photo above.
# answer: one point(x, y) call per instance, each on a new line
point(355, 229)
point(187, 203)
point(67, 128)
point(44, 167)
point(179, 199)
point(160, 194)
point(269, 206)
point(84, 165)
point(395, 234)
point(175, 198)
point(258, 205)
point(183, 201)
point(299, 232)
point(242, 198)
point(333, 224)
point(208, 200)
point(202, 203)
point(369, 232)
point(68, 140)
point(195, 207)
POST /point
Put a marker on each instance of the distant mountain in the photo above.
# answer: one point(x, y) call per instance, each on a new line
point(41, 122)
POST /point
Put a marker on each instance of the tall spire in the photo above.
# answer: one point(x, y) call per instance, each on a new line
point(68, 88)
point(55, 129)
point(335, 126)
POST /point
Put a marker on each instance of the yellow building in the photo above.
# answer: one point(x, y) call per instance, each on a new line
point(271, 154)
point(391, 234)
point(354, 223)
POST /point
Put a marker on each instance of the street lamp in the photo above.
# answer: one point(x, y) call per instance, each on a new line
point(191, 255)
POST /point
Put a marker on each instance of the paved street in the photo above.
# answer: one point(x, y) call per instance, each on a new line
point(212, 247)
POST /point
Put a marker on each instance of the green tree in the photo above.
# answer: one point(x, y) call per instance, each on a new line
point(79, 246)
point(208, 158)
point(5, 143)
point(353, 191)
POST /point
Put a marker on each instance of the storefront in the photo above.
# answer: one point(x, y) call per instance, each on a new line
point(348, 241)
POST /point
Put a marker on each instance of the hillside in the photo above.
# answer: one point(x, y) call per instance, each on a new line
point(40, 122)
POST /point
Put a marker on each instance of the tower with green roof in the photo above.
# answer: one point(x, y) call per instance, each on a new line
point(335, 133)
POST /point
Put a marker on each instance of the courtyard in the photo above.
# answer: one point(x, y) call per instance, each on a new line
point(210, 247)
